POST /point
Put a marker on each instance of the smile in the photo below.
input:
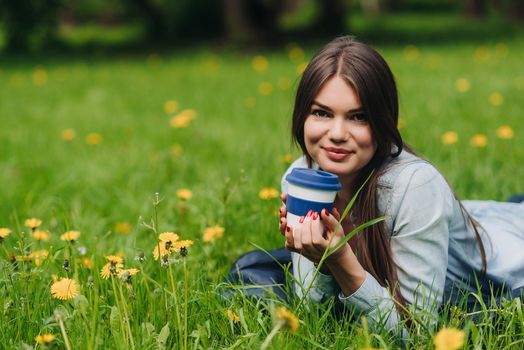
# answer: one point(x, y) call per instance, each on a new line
point(335, 153)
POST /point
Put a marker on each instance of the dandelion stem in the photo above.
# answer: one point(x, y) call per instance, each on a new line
point(122, 329)
point(173, 287)
point(270, 336)
point(64, 334)
point(126, 317)
point(185, 304)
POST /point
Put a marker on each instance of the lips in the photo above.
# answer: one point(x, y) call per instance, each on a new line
point(337, 154)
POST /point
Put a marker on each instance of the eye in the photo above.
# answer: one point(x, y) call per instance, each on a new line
point(319, 113)
point(359, 117)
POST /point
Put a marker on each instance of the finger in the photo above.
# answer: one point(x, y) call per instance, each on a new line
point(290, 240)
point(335, 213)
point(317, 230)
point(330, 222)
point(282, 226)
point(282, 211)
point(283, 196)
point(296, 233)
point(305, 237)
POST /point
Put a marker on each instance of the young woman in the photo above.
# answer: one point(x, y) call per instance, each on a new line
point(430, 248)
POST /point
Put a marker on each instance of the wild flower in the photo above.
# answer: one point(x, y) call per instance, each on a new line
point(86, 262)
point(449, 339)
point(449, 138)
point(495, 99)
point(265, 88)
point(287, 318)
point(268, 193)
point(260, 63)
point(44, 339)
point(32, 223)
point(113, 267)
point(184, 194)
point(183, 119)
point(41, 235)
point(295, 53)
point(126, 275)
point(4, 232)
point(213, 233)
point(165, 246)
point(462, 85)
point(479, 141)
point(505, 132)
point(68, 134)
point(39, 256)
point(65, 289)
point(286, 158)
point(70, 236)
point(181, 246)
point(232, 316)
point(94, 139)
point(39, 76)
point(122, 227)
point(411, 52)
point(170, 106)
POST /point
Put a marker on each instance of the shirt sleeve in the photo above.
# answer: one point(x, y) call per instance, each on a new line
point(421, 207)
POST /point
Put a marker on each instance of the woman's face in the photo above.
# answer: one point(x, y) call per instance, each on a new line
point(336, 131)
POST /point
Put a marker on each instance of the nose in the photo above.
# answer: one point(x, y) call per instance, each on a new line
point(338, 131)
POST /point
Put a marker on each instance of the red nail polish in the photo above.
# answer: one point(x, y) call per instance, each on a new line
point(301, 220)
point(326, 212)
point(309, 212)
point(315, 215)
point(288, 229)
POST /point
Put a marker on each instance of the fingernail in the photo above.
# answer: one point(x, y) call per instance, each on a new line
point(309, 212)
point(315, 215)
point(326, 212)
point(288, 229)
point(301, 220)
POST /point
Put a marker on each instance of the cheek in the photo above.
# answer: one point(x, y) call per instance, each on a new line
point(312, 131)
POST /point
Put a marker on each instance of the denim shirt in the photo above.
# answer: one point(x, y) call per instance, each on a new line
point(434, 246)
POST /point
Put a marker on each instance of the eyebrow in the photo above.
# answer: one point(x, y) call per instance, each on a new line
point(356, 110)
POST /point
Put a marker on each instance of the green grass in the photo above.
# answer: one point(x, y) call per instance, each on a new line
point(229, 153)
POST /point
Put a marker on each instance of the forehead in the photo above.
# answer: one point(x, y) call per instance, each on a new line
point(337, 94)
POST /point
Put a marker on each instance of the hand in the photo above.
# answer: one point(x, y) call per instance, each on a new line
point(312, 237)
point(283, 213)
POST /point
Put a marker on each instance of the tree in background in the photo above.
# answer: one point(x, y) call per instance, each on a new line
point(29, 24)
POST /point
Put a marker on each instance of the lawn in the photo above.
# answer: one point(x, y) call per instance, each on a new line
point(101, 145)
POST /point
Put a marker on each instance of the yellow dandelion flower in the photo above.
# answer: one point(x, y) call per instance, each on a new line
point(301, 68)
point(295, 53)
point(260, 63)
point(284, 83)
point(39, 76)
point(44, 339)
point(265, 88)
point(176, 150)
point(70, 236)
point(481, 54)
point(449, 339)
point(411, 52)
point(462, 85)
point(495, 99)
point(168, 237)
point(94, 139)
point(39, 256)
point(449, 138)
point(115, 259)
point(32, 223)
point(505, 132)
point(183, 119)
point(479, 140)
point(122, 227)
point(128, 272)
point(68, 135)
point(4, 232)
point(213, 233)
point(161, 249)
point(268, 193)
point(286, 158)
point(24, 258)
point(110, 269)
point(183, 244)
point(87, 263)
point(41, 235)
point(250, 102)
point(288, 319)
point(184, 194)
point(65, 289)
point(232, 316)
point(170, 106)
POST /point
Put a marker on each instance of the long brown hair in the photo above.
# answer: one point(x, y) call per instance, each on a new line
point(367, 72)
